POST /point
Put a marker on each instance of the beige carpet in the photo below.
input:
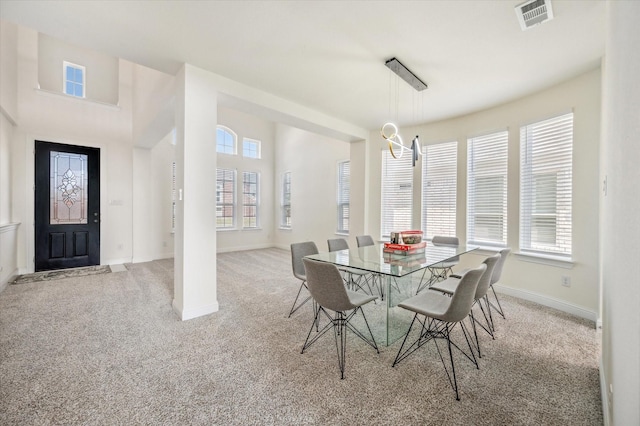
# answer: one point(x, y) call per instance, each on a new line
point(107, 349)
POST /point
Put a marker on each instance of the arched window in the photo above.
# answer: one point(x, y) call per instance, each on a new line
point(226, 140)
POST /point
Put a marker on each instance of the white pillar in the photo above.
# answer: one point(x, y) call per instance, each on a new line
point(195, 231)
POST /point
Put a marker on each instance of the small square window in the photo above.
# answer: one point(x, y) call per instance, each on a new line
point(74, 84)
point(251, 148)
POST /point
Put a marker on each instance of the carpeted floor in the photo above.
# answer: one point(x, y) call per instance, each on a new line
point(108, 349)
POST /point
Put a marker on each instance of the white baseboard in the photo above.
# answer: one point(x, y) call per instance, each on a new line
point(188, 314)
point(115, 261)
point(604, 396)
point(244, 248)
point(9, 278)
point(142, 259)
point(549, 302)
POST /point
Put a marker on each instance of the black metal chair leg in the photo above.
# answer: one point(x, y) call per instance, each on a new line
point(294, 308)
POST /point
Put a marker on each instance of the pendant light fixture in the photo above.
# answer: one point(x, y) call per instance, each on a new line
point(389, 130)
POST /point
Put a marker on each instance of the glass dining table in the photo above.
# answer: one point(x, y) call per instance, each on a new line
point(396, 277)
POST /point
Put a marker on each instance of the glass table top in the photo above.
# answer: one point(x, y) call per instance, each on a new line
point(373, 258)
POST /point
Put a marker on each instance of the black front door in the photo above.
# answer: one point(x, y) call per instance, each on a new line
point(67, 206)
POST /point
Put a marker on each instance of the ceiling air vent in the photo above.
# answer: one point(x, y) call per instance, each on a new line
point(534, 12)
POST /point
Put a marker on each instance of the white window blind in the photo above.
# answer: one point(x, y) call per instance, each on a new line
point(250, 198)
point(173, 196)
point(439, 184)
point(487, 189)
point(545, 186)
point(344, 178)
point(285, 203)
point(397, 193)
point(225, 198)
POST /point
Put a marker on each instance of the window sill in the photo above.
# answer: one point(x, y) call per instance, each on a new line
point(484, 250)
point(257, 228)
point(560, 262)
point(226, 229)
point(76, 98)
point(283, 228)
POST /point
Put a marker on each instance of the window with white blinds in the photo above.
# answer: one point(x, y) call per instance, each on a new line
point(173, 196)
point(285, 201)
point(250, 199)
point(439, 181)
point(343, 195)
point(397, 193)
point(487, 189)
point(545, 186)
point(225, 198)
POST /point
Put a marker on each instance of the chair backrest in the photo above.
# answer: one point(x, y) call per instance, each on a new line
point(326, 285)
point(442, 240)
point(337, 244)
point(464, 296)
point(497, 271)
point(485, 279)
point(365, 240)
point(298, 251)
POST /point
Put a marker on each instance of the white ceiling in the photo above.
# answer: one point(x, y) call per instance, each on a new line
point(330, 55)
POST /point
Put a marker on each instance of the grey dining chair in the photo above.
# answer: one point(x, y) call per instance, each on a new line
point(298, 251)
point(354, 278)
point(365, 240)
point(327, 289)
point(450, 285)
point(441, 314)
point(497, 273)
point(440, 271)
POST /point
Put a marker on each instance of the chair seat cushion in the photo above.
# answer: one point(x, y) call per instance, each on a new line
point(447, 286)
point(359, 298)
point(429, 303)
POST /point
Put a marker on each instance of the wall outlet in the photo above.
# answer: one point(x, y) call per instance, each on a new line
point(566, 281)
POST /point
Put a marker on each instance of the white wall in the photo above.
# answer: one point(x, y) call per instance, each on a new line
point(620, 369)
point(312, 160)
point(153, 106)
point(9, 68)
point(162, 237)
point(8, 229)
point(64, 119)
point(195, 289)
point(6, 136)
point(152, 190)
point(8, 114)
point(251, 127)
point(101, 71)
point(539, 282)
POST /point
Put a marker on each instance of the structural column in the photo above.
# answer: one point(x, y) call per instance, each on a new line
point(195, 292)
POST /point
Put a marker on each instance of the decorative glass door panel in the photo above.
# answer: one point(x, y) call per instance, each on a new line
point(68, 188)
